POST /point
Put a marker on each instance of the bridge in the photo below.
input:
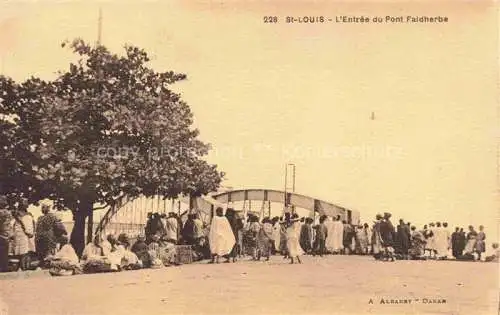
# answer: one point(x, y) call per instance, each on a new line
point(130, 214)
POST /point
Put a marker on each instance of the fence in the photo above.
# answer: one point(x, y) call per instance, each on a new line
point(132, 229)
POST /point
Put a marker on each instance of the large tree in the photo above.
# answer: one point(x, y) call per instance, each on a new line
point(109, 126)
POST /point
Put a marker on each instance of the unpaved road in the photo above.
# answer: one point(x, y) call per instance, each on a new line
point(329, 285)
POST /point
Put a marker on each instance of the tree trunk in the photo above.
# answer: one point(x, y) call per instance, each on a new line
point(90, 226)
point(77, 238)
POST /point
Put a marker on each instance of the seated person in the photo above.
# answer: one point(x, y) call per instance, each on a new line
point(95, 258)
point(495, 256)
point(108, 245)
point(140, 248)
point(154, 252)
point(65, 261)
point(128, 260)
point(167, 253)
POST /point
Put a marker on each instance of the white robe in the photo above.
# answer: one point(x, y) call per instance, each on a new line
point(292, 240)
point(277, 235)
point(441, 241)
point(431, 241)
point(67, 253)
point(335, 238)
point(171, 228)
point(221, 238)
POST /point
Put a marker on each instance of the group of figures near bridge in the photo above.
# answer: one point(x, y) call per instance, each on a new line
point(230, 236)
point(292, 237)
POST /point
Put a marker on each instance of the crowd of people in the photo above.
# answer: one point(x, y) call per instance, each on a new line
point(22, 239)
point(293, 237)
point(230, 236)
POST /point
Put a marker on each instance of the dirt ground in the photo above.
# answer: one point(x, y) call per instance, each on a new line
point(329, 285)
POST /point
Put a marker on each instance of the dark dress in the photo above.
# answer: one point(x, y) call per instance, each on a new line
point(188, 232)
point(349, 234)
point(236, 225)
point(48, 231)
point(306, 237)
point(403, 238)
point(456, 247)
point(387, 233)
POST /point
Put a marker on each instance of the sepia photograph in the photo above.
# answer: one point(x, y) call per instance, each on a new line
point(249, 157)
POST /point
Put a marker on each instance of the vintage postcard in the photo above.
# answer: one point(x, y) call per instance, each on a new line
point(249, 157)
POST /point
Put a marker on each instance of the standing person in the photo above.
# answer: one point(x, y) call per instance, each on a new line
point(470, 246)
point(368, 232)
point(447, 234)
point(163, 219)
point(283, 248)
point(480, 242)
point(330, 242)
point(236, 225)
point(265, 238)
point(335, 239)
point(292, 239)
point(387, 232)
point(376, 238)
point(431, 241)
point(5, 234)
point(179, 228)
point(171, 228)
point(253, 237)
point(441, 241)
point(455, 243)
point(49, 229)
point(276, 234)
point(188, 230)
point(221, 238)
point(306, 235)
point(425, 232)
point(321, 236)
point(462, 241)
point(347, 237)
point(416, 251)
point(148, 229)
point(403, 237)
point(362, 240)
point(199, 231)
point(24, 232)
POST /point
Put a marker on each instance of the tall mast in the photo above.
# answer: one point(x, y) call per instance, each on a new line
point(90, 218)
point(99, 28)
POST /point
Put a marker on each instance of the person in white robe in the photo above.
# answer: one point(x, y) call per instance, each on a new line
point(221, 238)
point(329, 242)
point(441, 241)
point(65, 261)
point(293, 239)
point(94, 260)
point(24, 232)
point(431, 240)
point(335, 239)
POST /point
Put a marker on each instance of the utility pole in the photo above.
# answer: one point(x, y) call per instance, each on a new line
point(289, 187)
point(99, 28)
point(90, 219)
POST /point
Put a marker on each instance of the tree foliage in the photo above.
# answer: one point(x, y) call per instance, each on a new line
point(109, 125)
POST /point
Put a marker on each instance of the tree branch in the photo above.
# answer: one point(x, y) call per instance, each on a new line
point(100, 208)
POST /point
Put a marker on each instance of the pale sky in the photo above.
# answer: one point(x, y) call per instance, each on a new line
point(267, 94)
